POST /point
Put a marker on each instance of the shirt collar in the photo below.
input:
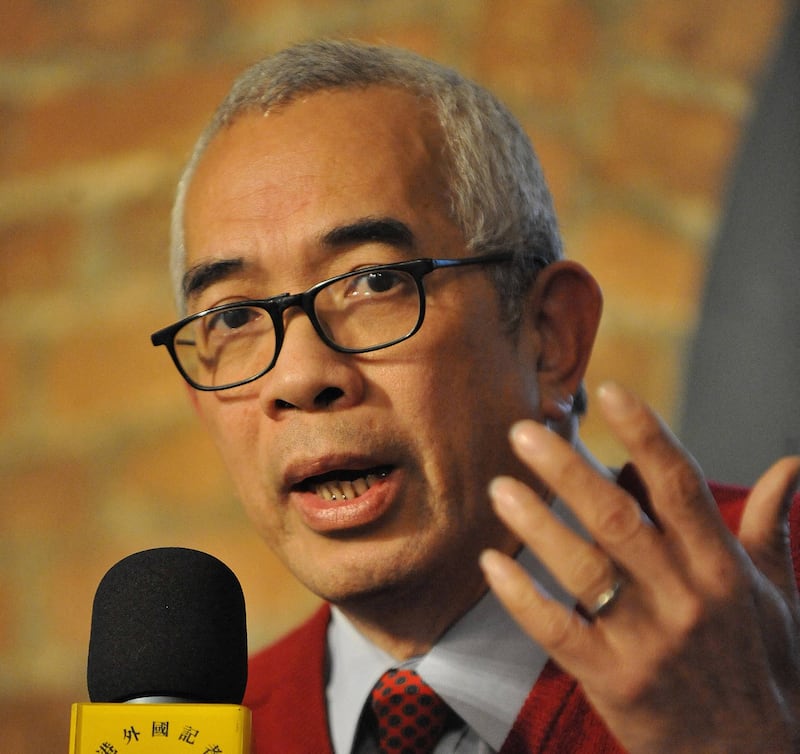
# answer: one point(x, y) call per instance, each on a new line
point(356, 664)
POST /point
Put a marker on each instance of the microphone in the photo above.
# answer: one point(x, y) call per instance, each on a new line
point(167, 661)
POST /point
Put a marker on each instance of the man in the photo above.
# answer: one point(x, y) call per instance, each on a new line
point(365, 413)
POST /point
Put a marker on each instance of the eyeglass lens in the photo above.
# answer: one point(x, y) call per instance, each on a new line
point(358, 312)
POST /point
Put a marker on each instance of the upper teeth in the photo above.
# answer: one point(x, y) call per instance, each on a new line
point(344, 489)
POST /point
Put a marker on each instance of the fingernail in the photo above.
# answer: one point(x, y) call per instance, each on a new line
point(491, 562)
point(502, 496)
point(526, 435)
point(616, 398)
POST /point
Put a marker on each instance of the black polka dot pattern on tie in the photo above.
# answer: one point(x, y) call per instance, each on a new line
point(411, 716)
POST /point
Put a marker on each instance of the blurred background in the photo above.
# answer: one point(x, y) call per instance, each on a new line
point(638, 110)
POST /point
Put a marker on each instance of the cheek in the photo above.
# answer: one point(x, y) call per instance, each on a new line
point(234, 429)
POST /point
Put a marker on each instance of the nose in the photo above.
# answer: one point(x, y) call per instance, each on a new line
point(309, 375)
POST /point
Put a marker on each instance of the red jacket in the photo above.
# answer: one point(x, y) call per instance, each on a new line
point(286, 685)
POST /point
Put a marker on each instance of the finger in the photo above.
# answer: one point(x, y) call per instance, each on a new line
point(764, 529)
point(562, 632)
point(610, 515)
point(579, 566)
point(679, 495)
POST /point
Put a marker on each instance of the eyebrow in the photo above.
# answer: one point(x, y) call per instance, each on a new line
point(203, 275)
point(385, 230)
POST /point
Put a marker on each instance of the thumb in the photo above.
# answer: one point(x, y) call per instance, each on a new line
point(764, 529)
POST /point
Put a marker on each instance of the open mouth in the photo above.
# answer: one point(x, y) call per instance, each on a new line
point(344, 484)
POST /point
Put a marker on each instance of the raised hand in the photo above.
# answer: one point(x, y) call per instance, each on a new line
point(687, 638)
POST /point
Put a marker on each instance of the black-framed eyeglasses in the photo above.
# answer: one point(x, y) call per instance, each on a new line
point(364, 310)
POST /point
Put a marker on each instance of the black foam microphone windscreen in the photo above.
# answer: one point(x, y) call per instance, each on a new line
point(168, 622)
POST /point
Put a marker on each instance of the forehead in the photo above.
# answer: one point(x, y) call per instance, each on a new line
point(324, 160)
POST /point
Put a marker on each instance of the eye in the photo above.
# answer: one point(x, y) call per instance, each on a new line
point(231, 319)
point(377, 281)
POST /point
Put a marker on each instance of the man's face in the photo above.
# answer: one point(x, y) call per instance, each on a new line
point(412, 434)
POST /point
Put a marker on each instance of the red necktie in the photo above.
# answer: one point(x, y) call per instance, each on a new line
point(411, 716)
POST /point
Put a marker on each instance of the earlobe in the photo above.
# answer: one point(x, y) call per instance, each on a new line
point(565, 307)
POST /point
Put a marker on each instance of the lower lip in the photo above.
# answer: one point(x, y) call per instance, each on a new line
point(325, 516)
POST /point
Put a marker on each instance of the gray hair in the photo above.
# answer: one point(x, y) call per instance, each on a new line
point(499, 198)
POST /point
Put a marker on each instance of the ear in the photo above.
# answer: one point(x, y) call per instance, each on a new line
point(564, 308)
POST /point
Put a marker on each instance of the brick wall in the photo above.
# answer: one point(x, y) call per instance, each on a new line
point(636, 107)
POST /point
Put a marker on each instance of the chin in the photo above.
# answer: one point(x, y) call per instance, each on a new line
point(357, 571)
